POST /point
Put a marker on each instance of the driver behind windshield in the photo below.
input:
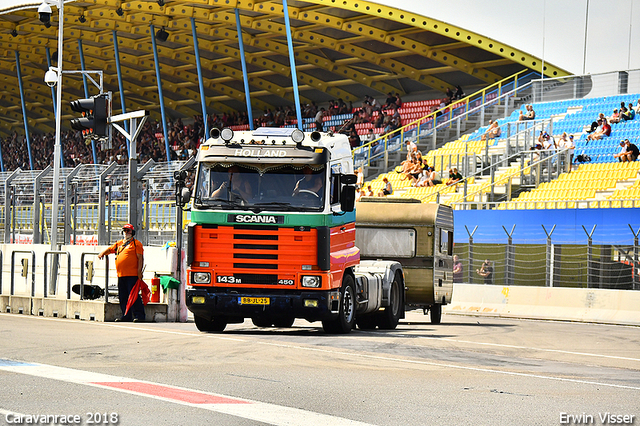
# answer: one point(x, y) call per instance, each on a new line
point(240, 187)
point(310, 183)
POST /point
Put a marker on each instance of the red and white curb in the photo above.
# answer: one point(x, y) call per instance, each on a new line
point(255, 410)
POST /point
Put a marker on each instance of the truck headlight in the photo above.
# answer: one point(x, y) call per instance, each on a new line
point(201, 278)
point(311, 281)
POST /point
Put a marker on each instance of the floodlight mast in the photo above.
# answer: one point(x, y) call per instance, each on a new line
point(57, 148)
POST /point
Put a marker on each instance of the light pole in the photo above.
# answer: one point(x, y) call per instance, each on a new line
point(57, 147)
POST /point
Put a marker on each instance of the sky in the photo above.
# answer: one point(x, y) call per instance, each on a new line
point(553, 30)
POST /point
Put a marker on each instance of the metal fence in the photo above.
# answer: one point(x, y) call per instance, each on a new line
point(587, 264)
point(94, 203)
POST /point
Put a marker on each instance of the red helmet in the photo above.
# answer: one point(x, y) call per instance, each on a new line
point(129, 227)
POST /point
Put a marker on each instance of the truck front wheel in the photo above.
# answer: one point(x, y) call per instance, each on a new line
point(347, 314)
point(215, 324)
point(390, 317)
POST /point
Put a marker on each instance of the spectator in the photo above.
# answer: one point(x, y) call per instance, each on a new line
point(398, 100)
point(375, 106)
point(368, 137)
point(454, 177)
point(459, 92)
point(387, 190)
point(630, 114)
point(342, 107)
point(632, 152)
point(457, 269)
point(354, 139)
point(360, 179)
point(369, 191)
point(622, 152)
point(390, 102)
point(433, 178)
point(319, 118)
point(603, 131)
point(566, 142)
point(529, 115)
point(615, 117)
point(449, 96)
point(486, 271)
point(492, 132)
point(596, 123)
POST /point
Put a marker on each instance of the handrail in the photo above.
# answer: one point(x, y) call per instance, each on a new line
point(432, 117)
point(465, 180)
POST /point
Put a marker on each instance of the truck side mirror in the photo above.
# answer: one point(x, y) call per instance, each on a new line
point(185, 196)
point(348, 198)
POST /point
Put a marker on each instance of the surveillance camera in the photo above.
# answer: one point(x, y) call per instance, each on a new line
point(45, 13)
point(51, 78)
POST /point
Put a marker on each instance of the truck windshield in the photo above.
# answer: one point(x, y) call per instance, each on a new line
point(284, 187)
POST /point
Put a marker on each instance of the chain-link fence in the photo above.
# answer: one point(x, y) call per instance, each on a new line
point(586, 265)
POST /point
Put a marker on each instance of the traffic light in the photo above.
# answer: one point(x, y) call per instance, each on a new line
point(94, 115)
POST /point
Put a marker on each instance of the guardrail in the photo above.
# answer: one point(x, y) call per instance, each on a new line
point(443, 117)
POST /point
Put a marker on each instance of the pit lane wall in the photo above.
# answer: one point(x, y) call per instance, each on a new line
point(566, 304)
point(24, 300)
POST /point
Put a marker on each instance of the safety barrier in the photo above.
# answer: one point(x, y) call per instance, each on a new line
point(36, 297)
point(551, 303)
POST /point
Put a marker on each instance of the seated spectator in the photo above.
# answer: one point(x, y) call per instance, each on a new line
point(374, 104)
point(449, 96)
point(615, 117)
point(369, 192)
point(387, 190)
point(360, 194)
point(632, 152)
point(597, 123)
point(492, 132)
point(622, 152)
point(398, 100)
point(368, 137)
point(390, 102)
point(342, 107)
point(354, 139)
point(379, 121)
point(530, 114)
point(454, 177)
point(630, 114)
point(603, 131)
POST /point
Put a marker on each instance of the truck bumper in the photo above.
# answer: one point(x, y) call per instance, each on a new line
point(311, 305)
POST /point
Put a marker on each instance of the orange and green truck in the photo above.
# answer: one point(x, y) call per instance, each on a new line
point(272, 237)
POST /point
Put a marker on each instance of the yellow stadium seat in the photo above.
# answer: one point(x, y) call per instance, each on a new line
point(616, 204)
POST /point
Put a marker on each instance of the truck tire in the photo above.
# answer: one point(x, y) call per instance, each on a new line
point(367, 322)
point(262, 322)
point(347, 314)
point(215, 324)
point(435, 313)
point(283, 322)
point(389, 318)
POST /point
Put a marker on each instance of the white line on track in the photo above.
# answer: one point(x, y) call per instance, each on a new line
point(254, 410)
point(377, 357)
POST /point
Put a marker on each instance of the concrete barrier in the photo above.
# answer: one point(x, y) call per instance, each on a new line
point(158, 260)
point(568, 304)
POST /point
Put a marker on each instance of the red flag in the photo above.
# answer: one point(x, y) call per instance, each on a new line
point(146, 294)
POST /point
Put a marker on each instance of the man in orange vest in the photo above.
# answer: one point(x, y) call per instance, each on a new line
point(129, 262)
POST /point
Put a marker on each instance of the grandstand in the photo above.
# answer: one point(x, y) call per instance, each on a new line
point(519, 181)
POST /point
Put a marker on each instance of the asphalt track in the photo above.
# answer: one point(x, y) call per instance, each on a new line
point(466, 371)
